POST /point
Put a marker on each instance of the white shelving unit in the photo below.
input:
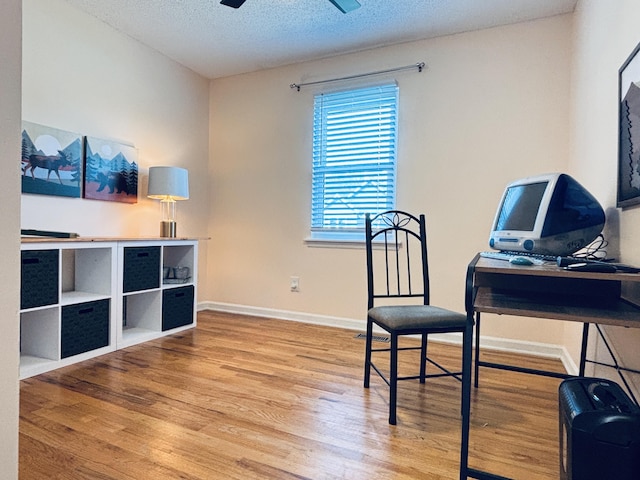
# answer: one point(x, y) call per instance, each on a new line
point(74, 304)
point(142, 299)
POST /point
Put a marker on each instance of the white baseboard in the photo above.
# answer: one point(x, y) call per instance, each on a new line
point(325, 320)
point(546, 350)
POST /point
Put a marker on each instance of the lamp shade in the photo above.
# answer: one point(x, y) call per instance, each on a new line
point(168, 182)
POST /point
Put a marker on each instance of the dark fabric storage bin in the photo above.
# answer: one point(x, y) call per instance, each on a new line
point(177, 307)
point(141, 268)
point(39, 278)
point(85, 327)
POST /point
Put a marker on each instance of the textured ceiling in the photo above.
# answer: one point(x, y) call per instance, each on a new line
point(217, 41)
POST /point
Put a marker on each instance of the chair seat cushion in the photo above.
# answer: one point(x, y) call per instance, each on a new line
point(412, 317)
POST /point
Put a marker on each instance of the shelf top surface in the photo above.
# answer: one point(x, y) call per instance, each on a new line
point(29, 239)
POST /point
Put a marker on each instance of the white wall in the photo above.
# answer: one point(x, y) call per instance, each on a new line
point(605, 35)
point(82, 76)
point(10, 55)
point(492, 106)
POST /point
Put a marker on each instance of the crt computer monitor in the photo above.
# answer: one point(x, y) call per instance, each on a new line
point(549, 214)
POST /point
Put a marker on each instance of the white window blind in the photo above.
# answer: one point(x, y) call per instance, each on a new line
point(354, 157)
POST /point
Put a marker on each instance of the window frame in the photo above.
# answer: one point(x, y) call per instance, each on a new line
point(384, 152)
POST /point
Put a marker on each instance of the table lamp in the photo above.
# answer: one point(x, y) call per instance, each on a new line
point(168, 184)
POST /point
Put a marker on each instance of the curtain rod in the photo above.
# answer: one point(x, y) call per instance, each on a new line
point(420, 66)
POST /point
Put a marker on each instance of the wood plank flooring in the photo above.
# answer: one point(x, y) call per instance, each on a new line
point(252, 398)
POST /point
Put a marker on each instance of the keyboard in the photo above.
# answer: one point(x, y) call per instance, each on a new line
point(546, 258)
point(507, 256)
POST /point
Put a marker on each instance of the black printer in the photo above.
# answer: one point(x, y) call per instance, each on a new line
point(599, 431)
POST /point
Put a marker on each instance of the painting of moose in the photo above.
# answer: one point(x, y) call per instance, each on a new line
point(51, 161)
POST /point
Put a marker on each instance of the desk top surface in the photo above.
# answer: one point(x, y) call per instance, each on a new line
point(549, 269)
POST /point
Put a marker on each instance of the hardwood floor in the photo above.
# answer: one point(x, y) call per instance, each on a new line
point(251, 398)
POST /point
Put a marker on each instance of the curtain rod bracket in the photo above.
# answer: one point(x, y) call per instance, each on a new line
point(420, 66)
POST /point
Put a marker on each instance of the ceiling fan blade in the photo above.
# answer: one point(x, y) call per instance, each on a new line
point(232, 3)
point(345, 6)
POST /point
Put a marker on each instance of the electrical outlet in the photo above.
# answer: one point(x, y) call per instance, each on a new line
point(295, 284)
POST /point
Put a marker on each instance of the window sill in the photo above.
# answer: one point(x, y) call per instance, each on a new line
point(334, 243)
point(341, 240)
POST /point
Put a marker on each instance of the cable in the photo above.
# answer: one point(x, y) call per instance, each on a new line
point(596, 250)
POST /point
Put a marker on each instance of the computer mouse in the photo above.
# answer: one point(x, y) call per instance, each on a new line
point(520, 261)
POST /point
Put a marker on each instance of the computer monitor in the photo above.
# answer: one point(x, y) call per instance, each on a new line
point(549, 214)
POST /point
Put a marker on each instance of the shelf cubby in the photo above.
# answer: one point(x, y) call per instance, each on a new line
point(87, 275)
point(178, 256)
point(39, 339)
point(141, 317)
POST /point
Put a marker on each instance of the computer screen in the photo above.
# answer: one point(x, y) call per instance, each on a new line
point(520, 207)
point(550, 214)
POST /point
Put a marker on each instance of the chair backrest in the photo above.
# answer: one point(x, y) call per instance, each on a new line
point(396, 244)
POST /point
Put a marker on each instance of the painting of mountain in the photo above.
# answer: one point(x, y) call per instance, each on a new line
point(50, 161)
point(111, 171)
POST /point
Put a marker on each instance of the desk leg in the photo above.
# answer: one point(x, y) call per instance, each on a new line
point(467, 341)
point(476, 366)
point(583, 350)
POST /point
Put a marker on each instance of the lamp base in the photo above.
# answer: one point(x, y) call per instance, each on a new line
point(168, 229)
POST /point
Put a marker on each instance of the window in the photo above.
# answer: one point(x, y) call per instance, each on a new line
point(354, 159)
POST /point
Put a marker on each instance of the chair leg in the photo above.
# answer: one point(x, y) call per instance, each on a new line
point(393, 378)
point(367, 354)
point(423, 358)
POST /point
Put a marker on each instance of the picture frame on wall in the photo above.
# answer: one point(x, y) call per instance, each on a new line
point(629, 131)
point(51, 161)
point(111, 171)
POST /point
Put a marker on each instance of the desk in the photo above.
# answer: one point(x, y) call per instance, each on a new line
point(539, 291)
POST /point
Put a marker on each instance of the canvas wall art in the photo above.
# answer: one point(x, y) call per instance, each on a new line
point(51, 161)
point(629, 131)
point(111, 171)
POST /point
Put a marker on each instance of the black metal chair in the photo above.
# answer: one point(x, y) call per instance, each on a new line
point(397, 250)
